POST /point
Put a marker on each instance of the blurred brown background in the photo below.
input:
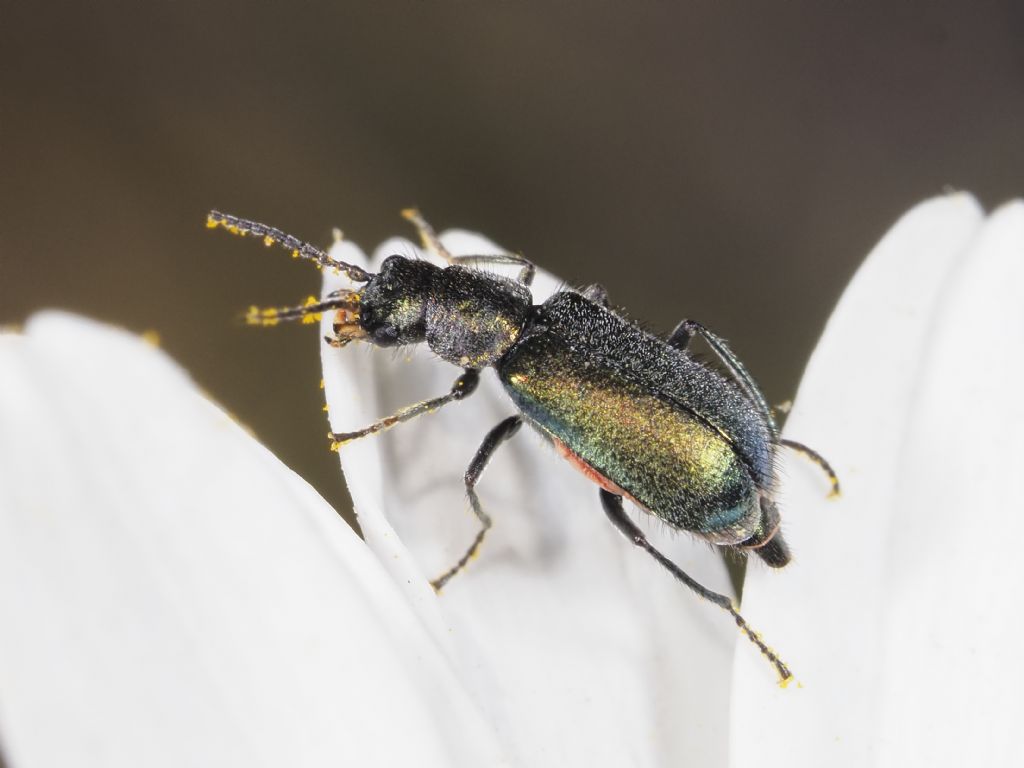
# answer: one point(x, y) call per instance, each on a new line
point(723, 161)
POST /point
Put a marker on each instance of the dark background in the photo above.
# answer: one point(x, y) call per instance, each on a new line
point(730, 162)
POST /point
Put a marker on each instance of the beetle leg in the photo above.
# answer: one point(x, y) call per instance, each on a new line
point(433, 243)
point(613, 508)
point(494, 438)
point(463, 387)
point(818, 459)
point(680, 338)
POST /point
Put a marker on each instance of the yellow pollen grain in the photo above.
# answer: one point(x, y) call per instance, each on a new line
point(262, 317)
point(268, 241)
point(151, 337)
point(312, 317)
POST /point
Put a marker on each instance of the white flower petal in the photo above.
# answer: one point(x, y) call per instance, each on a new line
point(170, 594)
point(951, 678)
point(893, 614)
point(581, 649)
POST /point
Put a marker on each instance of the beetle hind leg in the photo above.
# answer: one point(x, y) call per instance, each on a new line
point(818, 459)
point(494, 438)
point(613, 508)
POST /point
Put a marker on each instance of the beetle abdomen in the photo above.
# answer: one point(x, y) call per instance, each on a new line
point(678, 464)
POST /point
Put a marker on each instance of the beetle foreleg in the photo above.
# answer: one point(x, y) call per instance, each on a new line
point(464, 386)
point(494, 438)
point(613, 508)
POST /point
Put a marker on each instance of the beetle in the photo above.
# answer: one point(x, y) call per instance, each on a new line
point(637, 414)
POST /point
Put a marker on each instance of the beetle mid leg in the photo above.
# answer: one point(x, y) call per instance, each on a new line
point(463, 387)
point(494, 438)
point(613, 508)
point(433, 244)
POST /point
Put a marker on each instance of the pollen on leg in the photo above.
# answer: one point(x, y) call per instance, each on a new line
point(311, 317)
point(262, 317)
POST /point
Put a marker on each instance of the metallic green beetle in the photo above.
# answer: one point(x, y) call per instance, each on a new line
point(635, 413)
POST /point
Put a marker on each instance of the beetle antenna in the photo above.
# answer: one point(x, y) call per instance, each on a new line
point(299, 248)
point(310, 311)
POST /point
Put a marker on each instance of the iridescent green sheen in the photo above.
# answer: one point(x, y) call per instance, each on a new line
point(673, 462)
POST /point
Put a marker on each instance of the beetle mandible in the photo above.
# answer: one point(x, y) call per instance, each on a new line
point(635, 413)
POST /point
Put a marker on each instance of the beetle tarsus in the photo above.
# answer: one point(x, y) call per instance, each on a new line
point(818, 459)
point(495, 438)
